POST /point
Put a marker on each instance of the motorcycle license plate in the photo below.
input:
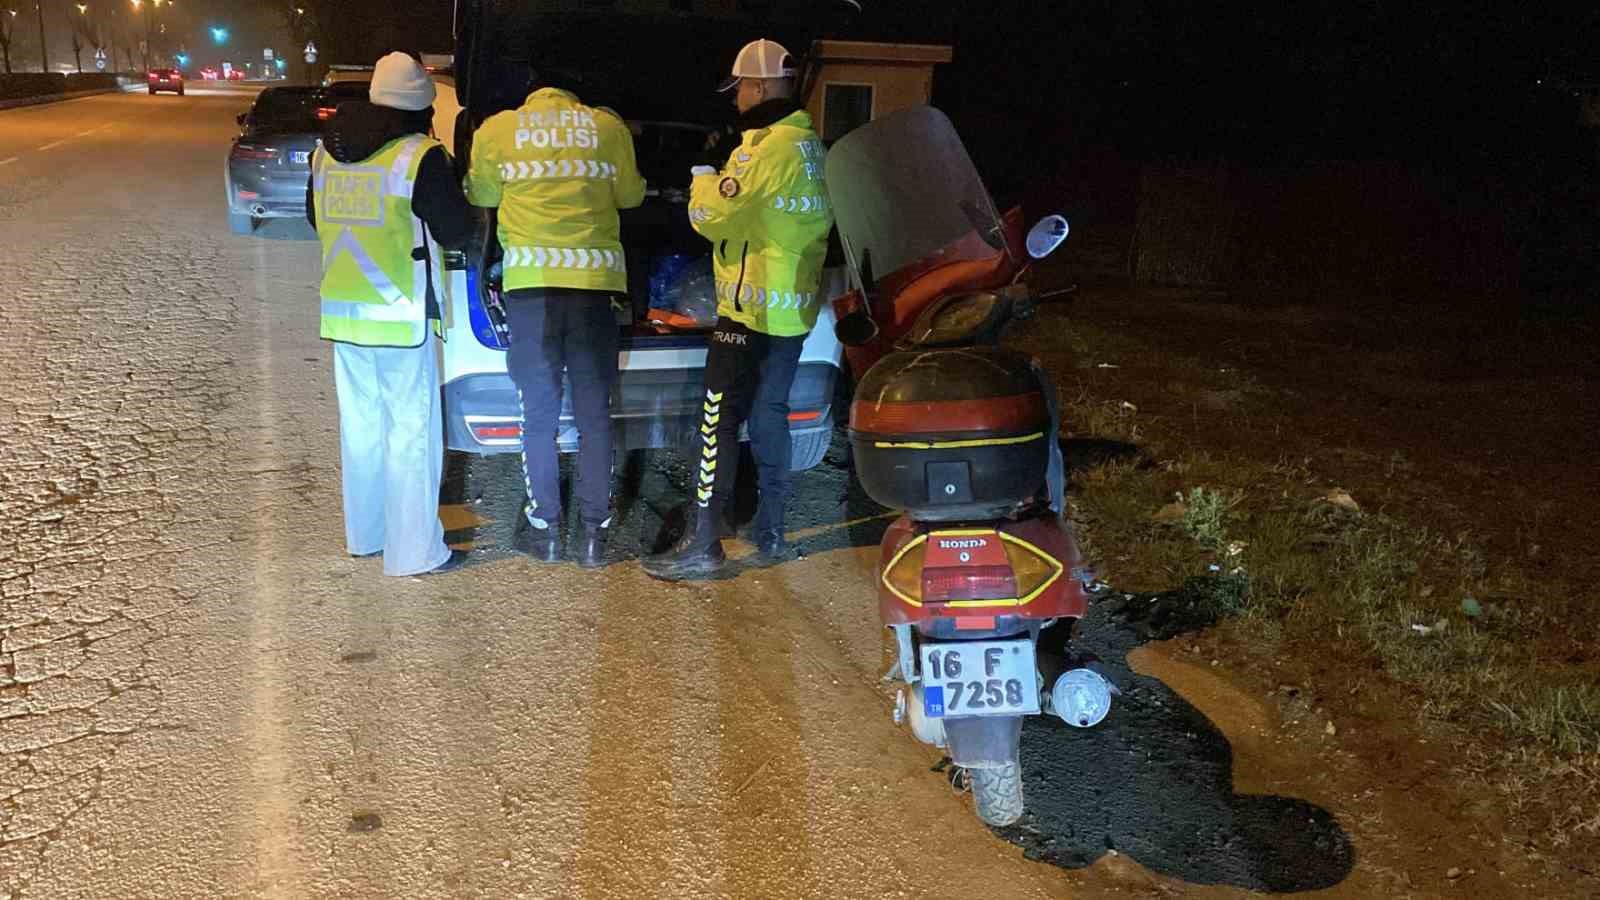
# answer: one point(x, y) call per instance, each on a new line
point(299, 157)
point(979, 678)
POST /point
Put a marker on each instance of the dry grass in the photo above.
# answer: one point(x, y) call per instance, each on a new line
point(1294, 565)
point(1511, 666)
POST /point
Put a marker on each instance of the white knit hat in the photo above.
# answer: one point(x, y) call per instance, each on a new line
point(400, 82)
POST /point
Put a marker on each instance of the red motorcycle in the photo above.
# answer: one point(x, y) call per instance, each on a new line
point(960, 434)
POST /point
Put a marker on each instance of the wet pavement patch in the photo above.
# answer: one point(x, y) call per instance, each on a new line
point(364, 822)
point(1155, 779)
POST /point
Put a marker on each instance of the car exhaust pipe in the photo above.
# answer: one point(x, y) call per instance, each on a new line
point(258, 211)
point(1081, 698)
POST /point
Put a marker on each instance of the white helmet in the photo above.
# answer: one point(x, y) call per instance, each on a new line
point(760, 59)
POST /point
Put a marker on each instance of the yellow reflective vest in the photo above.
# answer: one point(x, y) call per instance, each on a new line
point(559, 171)
point(374, 287)
point(767, 215)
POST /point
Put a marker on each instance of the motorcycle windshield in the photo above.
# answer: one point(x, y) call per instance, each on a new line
point(906, 195)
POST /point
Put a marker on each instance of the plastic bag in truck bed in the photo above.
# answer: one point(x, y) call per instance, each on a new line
point(683, 293)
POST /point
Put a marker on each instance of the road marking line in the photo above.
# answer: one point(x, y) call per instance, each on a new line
point(94, 130)
point(7, 162)
point(52, 145)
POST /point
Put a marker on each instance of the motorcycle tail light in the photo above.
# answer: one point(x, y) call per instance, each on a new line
point(968, 583)
point(904, 575)
point(1028, 572)
point(1034, 569)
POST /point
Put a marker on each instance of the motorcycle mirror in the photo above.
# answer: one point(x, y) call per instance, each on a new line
point(1046, 235)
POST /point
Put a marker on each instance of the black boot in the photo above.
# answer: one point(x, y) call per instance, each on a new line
point(766, 532)
point(772, 548)
point(591, 545)
point(698, 554)
point(542, 544)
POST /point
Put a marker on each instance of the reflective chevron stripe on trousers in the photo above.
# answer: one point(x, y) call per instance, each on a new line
point(748, 377)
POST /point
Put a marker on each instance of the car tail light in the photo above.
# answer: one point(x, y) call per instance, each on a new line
point(249, 195)
point(324, 113)
point(809, 415)
point(246, 151)
point(496, 432)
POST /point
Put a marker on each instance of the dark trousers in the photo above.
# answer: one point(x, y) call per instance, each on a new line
point(556, 329)
point(748, 377)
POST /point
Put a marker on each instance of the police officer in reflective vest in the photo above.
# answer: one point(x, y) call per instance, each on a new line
point(383, 199)
point(767, 215)
point(558, 171)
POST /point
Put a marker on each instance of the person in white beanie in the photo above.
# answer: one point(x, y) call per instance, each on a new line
point(383, 200)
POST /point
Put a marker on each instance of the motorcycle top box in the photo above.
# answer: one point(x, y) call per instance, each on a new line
point(948, 435)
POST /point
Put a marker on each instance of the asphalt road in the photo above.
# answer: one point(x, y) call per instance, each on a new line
point(201, 695)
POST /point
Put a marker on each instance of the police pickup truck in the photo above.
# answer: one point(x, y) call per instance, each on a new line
point(659, 73)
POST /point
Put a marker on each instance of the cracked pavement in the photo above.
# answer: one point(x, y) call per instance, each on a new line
point(201, 695)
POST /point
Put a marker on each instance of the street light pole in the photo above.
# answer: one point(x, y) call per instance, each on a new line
point(78, 28)
point(44, 50)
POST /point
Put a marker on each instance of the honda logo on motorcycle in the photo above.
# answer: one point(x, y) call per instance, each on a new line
point(963, 544)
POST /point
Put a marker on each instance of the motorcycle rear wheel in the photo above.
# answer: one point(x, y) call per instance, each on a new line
point(997, 794)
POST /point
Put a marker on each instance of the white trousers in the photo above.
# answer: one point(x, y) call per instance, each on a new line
point(391, 445)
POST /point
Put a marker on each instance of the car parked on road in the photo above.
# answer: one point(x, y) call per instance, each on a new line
point(165, 80)
point(209, 74)
point(270, 161)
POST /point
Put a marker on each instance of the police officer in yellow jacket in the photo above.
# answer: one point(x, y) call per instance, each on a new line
point(558, 171)
point(767, 215)
point(382, 198)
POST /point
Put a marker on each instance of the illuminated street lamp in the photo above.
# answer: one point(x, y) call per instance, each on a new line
point(78, 28)
point(149, 24)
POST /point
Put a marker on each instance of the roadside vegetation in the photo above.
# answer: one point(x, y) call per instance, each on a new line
point(1293, 562)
